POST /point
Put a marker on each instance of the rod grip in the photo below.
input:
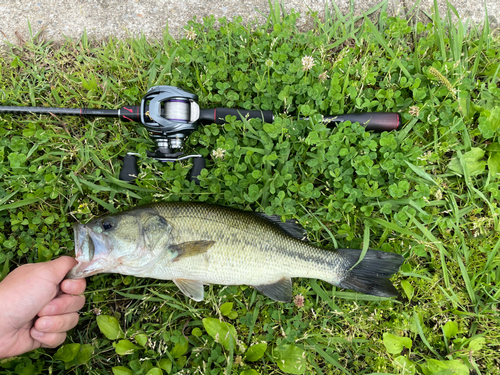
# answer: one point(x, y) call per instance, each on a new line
point(218, 115)
point(377, 121)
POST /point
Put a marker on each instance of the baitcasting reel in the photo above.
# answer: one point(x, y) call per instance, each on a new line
point(170, 115)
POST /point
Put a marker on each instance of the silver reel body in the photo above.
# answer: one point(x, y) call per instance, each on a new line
point(170, 115)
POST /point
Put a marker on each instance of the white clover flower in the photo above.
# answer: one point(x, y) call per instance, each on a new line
point(414, 111)
point(299, 300)
point(219, 153)
point(269, 63)
point(190, 34)
point(307, 63)
point(323, 76)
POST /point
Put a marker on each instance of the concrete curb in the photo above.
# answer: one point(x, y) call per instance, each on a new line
point(122, 18)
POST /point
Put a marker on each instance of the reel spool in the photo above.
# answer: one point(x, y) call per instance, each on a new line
point(177, 110)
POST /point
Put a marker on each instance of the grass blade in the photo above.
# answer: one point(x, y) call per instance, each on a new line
point(323, 225)
point(107, 206)
point(468, 284)
point(5, 269)
point(18, 204)
point(327, 357)
point(381, 40)
point(366, 244)
point(396, 228)
point(422, 335)
point(438, 25)
point(442, 250)
point(7, 197)
point(77, 183)
point(492, 256)
point(421, 173)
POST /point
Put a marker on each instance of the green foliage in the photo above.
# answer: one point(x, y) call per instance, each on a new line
point(395, 344)
point(109, 326)
point(472, 161)
point(227, 310)
point(249, 372)
point(222, 332)
point(125, 347)
point(122, 370)
point(450, 329)
point(290, 359)
point(255, 352)
point(429, 191)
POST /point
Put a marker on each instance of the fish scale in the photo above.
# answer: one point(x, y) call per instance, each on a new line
point(196, 243)
point(248, 250)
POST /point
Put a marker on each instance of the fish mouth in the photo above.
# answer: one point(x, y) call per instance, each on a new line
point(92, 252)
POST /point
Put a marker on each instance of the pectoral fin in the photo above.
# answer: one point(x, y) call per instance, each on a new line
point(191, 288)
point(188, 249)
point(280, 291)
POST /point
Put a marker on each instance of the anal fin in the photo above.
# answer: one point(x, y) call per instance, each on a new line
point(280, 290)
point(191, 288)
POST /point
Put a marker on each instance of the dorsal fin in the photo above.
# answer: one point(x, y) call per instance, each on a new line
point(291, 227)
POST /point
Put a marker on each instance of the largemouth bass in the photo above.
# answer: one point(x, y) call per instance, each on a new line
point(195, 244)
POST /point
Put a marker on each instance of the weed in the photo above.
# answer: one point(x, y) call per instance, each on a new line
point(429, 192)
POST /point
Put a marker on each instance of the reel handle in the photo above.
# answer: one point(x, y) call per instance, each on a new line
point(130, 170)
point(198, 165)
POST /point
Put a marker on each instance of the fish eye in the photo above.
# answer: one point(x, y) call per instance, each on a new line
point(107, 224)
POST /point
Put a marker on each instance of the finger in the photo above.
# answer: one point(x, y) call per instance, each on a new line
point(58, 268)
point(63, 304)
point(48, 339)
point(56, 323)
point(74, 286)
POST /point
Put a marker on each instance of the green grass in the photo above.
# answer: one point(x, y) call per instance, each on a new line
point(429, 191)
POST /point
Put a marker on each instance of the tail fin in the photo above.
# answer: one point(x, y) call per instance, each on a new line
point(371, 275)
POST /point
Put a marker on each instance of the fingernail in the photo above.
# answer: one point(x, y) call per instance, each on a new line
point(36, 334)
point(45, 324)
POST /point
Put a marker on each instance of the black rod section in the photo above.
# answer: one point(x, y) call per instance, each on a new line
point(378, 121)
point(82, 112)
point(218, 115)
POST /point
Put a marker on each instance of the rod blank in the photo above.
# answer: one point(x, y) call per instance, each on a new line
point(82, 112)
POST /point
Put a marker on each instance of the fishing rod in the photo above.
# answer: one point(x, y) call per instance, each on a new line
point(171, 114)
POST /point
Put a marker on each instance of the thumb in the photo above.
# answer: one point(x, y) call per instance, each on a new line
point(59, 267)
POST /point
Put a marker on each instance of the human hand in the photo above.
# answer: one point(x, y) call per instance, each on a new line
point(38, 306)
